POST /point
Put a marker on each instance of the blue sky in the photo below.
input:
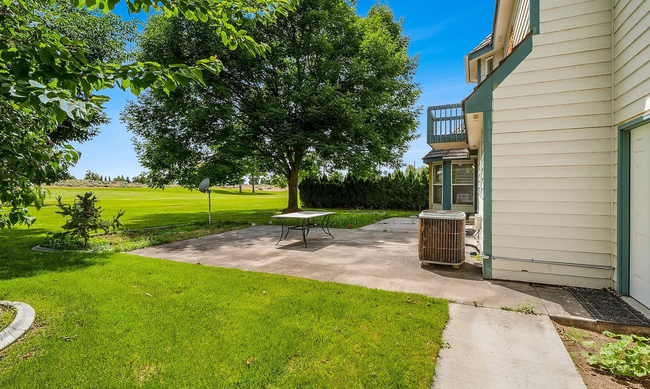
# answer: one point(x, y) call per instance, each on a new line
point(441, 31)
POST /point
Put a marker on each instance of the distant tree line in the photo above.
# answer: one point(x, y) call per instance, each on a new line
point(408, 191)
point(93, 176)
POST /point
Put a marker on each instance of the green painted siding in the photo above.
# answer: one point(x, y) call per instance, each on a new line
point(487, 184)
point(534, 16)
point(446, 185)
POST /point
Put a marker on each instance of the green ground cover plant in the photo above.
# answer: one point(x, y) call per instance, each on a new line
point(628, 357)
point(114, 320)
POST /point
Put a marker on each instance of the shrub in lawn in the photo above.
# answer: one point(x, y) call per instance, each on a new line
point(85, 216)
point(629, 357)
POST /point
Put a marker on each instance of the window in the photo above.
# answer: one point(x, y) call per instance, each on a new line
point(462, 183)
point(437, 184)
point(489, 65)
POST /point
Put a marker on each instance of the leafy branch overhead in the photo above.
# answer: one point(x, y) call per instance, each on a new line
point(41, 67)
point(57, 55)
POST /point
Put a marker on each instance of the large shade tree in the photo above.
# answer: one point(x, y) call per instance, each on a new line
point(50, 76)
point(334, 87)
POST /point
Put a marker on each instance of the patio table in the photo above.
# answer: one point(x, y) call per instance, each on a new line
point(306, 223)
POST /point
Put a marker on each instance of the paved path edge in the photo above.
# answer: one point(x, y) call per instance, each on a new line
point(25, 316)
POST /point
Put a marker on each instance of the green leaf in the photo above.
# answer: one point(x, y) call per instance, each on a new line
point(197, 75)
point(170, 85)
point(61, 115)
point(45, 54)
point(9, 54)
point(80, 56)
point(181, 79)
point(100, 99)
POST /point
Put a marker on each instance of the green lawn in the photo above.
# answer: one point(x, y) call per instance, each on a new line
point(117, 320)
point(149, 208)
point(7, 315)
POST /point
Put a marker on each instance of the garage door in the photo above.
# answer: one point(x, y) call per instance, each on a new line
point(640, 215)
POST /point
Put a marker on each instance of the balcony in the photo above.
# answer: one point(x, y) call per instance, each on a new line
point(446, 127)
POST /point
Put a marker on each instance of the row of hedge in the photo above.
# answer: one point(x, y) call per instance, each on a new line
point(395, 191)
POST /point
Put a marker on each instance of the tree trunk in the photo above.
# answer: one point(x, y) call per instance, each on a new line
point(292, 180)
point(240, 187)
point(253, 183)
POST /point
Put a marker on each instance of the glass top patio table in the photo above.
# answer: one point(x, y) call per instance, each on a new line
point(307, 223)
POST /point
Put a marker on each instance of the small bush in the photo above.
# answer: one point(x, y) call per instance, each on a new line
point(85, 217)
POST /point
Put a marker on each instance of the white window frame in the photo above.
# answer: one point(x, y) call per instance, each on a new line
point(434, 168)
point(488, 61)
point(473, 184)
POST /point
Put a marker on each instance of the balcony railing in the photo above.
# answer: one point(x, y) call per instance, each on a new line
point(446, 124)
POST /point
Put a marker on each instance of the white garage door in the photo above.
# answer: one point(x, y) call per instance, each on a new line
point(640, 215)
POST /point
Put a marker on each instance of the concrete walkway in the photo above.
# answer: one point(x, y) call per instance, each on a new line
point(490, 347)
point(496, 349)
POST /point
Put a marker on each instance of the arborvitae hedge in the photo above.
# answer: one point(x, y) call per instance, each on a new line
point(396, 191)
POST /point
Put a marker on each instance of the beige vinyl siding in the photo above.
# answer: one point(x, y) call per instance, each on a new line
point(631, 68)
point(631, 59)
point(552, 152)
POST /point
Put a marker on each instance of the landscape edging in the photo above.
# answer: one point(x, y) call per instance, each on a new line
point(25, 316)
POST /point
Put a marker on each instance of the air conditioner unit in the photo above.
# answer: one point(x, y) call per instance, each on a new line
point(441, 238)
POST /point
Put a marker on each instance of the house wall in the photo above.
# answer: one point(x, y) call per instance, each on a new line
point(552, 149)
point(631, 76)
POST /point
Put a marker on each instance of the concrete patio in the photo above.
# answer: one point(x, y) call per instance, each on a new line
point(382, 256)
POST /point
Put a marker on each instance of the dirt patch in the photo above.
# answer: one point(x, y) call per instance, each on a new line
point(574, 341)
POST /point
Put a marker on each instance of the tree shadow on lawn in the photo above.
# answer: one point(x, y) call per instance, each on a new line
point(18, 260)
point(35, 263)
